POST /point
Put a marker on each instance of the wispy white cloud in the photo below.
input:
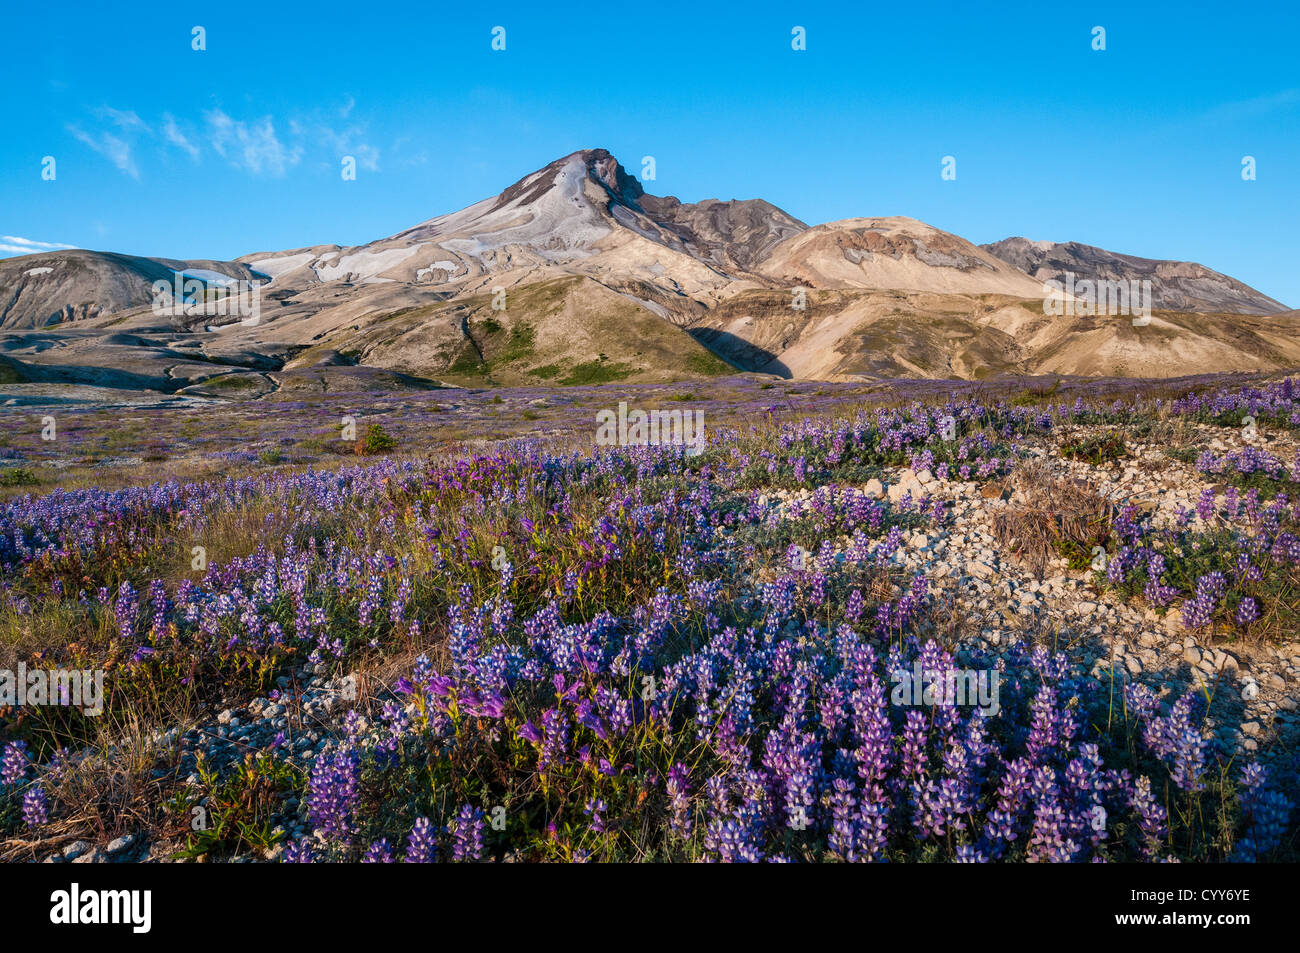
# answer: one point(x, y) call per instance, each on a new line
point(174, 134)
point(112, 147)
point(1250, 108)
point(125, 119)
point(346, 140)
point(28, 246)
point(251, 146)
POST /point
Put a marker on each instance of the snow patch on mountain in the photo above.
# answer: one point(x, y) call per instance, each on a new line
point(275, 267)
point(366, 264)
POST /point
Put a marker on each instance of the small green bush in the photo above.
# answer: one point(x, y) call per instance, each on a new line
point(376, 440)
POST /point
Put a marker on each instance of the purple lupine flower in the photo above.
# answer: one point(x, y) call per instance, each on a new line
point(35, 807)
point(1266, 813)
point(914, 754)
point(679, 803)
point(873, 830)
point(13, 764)
point(854, 607)
point(1151, 817)
point(555, 743)
point(467, 834)
point(422, 842)
point(1156, 592)
point(1175, 739)
point(844, 824)
point(1140, 702)
point(890, 545)
point(332, 794)
point(1231, 502)
point(1197, 612)
point(1045, 729)
point(1048, 841)
point(1004, 820)
point(727, 838)
point(298, 852)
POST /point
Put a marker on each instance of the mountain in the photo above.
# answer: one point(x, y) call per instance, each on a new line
point(1175, 285)
point(579, 215)
point(575, 274)
point(50, 288)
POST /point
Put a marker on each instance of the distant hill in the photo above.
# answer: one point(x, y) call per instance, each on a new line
point(1175, 285)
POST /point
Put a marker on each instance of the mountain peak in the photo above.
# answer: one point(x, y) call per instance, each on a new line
point(609, 172)
point(599, 165)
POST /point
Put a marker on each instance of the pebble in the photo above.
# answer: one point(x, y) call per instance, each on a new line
point(120, 844)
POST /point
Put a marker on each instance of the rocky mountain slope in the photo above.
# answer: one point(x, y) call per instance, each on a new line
point(893, 254)
point(575, 274)
point(1175, 285)
point(50, 288)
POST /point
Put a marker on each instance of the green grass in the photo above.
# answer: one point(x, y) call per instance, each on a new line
point(708, 363)
point(1097, 449)
point(230, 382)
point(240, 809)
point(522, 339)
point(19, 476)
point(468, 362)
point(1032, 396)
point(597, 372)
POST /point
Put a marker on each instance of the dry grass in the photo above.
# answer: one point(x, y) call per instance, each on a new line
point(1051, 516)
point(119, 785)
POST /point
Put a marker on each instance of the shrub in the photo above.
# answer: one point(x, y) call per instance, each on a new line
point(18, 476)
point(375, 440)
point(1097, 449)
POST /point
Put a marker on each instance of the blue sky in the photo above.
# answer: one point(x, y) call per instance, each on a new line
point(162, 150)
